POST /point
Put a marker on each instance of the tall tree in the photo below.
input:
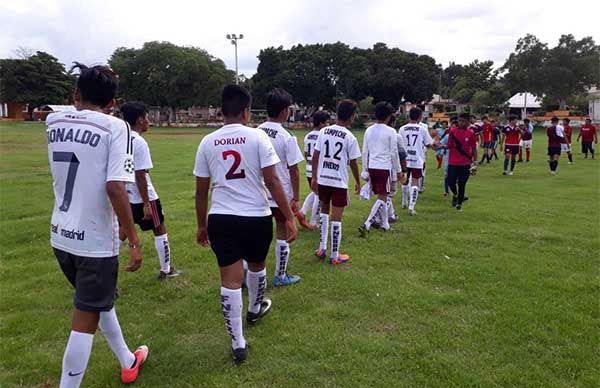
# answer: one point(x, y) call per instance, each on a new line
point(476, 76)
point(524, 66)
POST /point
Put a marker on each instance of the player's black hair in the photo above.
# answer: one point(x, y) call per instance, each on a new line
point(415, 113)
point(277, 100)
point(132, 111)
point(526, 120)
point(554, 119)
point(588, 119)
point(453, 120)
point(512, 117)
point(484, 117)
point(234, 100)
point(346, 109)
point(465, 116)
point(97, 84)
point(383, 109)
point(567, 120)
point(320, 117)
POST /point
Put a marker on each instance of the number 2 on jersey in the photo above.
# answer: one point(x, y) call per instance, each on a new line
point(237, 160)
point(71, 158)
point(339, 147)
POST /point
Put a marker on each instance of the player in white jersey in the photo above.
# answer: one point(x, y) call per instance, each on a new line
point(380, 158)
point(417, 138)
point(336, 148)
point(145, 204)
point(286, 147)
point(239, 161)
point(311, 203)
point(90, 160)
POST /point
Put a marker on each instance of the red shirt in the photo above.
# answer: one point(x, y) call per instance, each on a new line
point(587, 132)
point(468, 143)
point(513, 135)
point(568, 132)
point(553, 139)
point(488, 133)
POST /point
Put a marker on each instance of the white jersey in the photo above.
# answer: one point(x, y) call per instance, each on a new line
point(86, 150)
point(142, 161)
point(417, 138)
point(233, 158)
point(380, 148)
point(309, 146)
point(337, 146)
point(288, 152)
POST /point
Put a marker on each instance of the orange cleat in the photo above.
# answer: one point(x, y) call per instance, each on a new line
point(341, 259)
point(320, 253)
point(128, 376)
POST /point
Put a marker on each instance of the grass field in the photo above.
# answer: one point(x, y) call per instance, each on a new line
point(505, 293)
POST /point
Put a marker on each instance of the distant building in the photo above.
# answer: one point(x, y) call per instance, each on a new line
point(594, 101)
point(40, 114)
point(13, 110)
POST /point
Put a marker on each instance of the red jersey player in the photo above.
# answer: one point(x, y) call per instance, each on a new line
point(568, 135)
point(488, 140)
point(587, 133)
point(512, 138)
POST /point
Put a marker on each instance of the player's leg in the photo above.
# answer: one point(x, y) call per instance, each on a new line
point(315, 211)
point(422, 180)
point(390, 202)
point(324, 193)
point(506, 160)
point(414, 191)
point(406, 189)
point(451, 180)
point(337, 212)
point(282, 252)
point(462, 179)
point(257, 242)
point(584, 149)
point(521, 152)
point(79, 348)
point(513, 158)
point(592, 151)
point(161, 240)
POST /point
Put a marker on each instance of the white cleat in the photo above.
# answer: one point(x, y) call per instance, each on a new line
point(412, 212)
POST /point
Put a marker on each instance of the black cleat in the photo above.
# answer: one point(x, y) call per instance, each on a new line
point(173, 273)
point(459, 208)
point(239, 355)
point(265, 307)
point(363, 231)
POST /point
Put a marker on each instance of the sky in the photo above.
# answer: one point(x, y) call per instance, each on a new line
point(458, 30)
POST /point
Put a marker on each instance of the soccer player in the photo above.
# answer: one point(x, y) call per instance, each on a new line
point(487, 134)
point(587, 134)
point(239, 161)
point(145, 204)
point(439, 154)
point(568, 136)
point(556, 140)
point(512, 138)
point(336, 148)
point(526, 140)
point(497, 137)
point(477, 130)
point(461, 155)
point(380, 157)
point(417, 138)
point(90, 160)
point(320, 121)
point(289, 154)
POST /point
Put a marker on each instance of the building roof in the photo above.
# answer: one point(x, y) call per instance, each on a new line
point(57, 108)
point(518, 101)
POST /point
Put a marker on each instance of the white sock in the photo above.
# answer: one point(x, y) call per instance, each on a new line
point(282, 256)
point(316, 207)
point(324, 231)
point(161, 243)
point(110, 328)
point(75, 359)
point(405, 195)
point(257, 285)
point(308, 203)
point(383, 212)
point(336, 238)
point(375, 210)
point(231, 305)
point(414, 195)
point(390, 208)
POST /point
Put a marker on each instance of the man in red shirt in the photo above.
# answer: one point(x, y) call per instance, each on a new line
point(461, 152)
point(587, 133)
point(512, 138)
point(556, 141)
point(568, 134)
point(488, 140)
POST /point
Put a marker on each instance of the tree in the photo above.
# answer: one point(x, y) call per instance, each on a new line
point(37, 80)
point(450, 76)
point(476, 76)
point(524, 66)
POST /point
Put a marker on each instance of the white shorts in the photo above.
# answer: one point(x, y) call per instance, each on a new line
point(526, 143)
point(565, 147)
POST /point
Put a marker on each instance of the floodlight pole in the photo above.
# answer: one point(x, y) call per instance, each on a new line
point(234, 38)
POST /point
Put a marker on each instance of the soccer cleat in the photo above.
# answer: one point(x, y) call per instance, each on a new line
point(287, 280)
point(505, 173)
point(454, 200)
point(412, 212)
point(510, 173)
point(173, 273)
point(265, 307)
point(364, 232)
point(240, 354)
point(340, 259)
point(553, 172)
point(302, 221)
point(320, 253)
point(128, 376)
point(393, 220)
point(459, 208)
point(375, 225)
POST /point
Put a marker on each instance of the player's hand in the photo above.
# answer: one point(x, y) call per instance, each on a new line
point(314, 186)
point(135, 257)
point(291, 230)
point(356, 188)
point(202, 237)
point(147, 211)
point(294, 205)
point(400, 177)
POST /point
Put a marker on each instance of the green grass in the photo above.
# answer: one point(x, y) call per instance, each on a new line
point(504, 294)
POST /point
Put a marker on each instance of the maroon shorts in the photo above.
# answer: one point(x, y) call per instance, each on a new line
point(416, 173)
point(336, 196)
point(511, 149)
point(277, 214)
point(380, 181)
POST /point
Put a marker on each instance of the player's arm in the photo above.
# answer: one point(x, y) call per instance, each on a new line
point(202, 189)
point(274, 186)
point(142, 184)
point(365, 155)
point(395, 158)
point(295, 180)
point(315, 170)
point(578, 136)
point(355, 173)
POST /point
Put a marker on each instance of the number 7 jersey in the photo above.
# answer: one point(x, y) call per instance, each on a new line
point(337, 146)
point(86, 149)
point(233, 158)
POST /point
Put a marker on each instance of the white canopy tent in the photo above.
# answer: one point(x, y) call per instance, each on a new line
point(524, 101)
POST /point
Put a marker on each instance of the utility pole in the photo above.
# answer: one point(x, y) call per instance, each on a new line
point(234, 39)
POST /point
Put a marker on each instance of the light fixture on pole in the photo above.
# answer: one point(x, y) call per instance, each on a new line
point(234, 38)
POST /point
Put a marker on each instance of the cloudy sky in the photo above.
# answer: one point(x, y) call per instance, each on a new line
point(458, 30)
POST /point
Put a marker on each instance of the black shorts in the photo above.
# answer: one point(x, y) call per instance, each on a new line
point(586, 146)
point(233, 238)
point(157, 215)
point(512, 149)
point(554, 151)
point(94, 279)
point(488, 145)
